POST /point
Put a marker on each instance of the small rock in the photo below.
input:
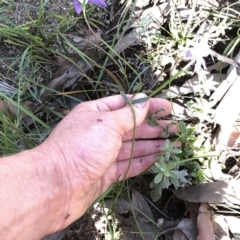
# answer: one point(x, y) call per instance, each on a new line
point(70, 50)
point(77, 39)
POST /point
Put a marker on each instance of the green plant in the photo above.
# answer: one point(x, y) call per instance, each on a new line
point(167, 171)
point(192, 148)
point(179, 167)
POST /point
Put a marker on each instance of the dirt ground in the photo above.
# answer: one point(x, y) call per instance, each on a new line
point(94, 224)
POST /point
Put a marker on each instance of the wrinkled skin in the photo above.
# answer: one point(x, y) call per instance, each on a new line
point(93, 145)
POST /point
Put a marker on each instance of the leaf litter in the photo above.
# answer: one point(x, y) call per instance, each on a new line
point(214, 93)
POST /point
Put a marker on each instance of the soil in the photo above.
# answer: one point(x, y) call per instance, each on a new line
point(85, 227)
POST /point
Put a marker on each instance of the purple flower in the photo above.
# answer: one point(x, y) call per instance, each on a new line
point(200, 49)
point(78, 4)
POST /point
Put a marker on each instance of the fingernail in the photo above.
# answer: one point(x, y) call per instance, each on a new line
point(140, 100)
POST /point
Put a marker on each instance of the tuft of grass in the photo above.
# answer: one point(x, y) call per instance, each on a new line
point(50, 26)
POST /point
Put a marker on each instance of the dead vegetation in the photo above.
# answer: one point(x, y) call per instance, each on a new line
point(52, 59)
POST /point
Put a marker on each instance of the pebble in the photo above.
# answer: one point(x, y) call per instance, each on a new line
point(77, 39)
point(70, 50)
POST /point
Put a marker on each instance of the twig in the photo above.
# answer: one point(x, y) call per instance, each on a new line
point(158, 209)
point(226, 60)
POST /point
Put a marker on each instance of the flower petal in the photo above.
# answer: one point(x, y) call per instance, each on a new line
point(189, 53)
point(98, 2)
point(77, 6)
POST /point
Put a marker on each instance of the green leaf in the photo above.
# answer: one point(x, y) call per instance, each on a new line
point(163, 166)
point(190, 131)
point(166, 182)
point(173, 175)
point(171, 124)
point(167, 144)
point(165, 134)
point(175, 182)
point(172, 166)
point(161, 159)
point(182, 127)
point(167, 173)
point(167, 156)
point(158, 165)
point(152, 184)
point(140, 100)
point(187, 152)
point(174, 157)
point(181, 175)
point(158, 178)
point(153, 169)
point(124, 96)
point(152, 122)
point(156, 192)
point(176, 150)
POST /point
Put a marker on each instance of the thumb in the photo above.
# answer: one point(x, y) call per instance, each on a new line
point(131, 113)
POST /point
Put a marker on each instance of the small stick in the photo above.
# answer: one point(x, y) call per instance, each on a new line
point(226, 59)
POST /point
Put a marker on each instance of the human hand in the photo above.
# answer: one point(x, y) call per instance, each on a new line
point(92, 147)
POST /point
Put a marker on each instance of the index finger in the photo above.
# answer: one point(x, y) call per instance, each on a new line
point(117, 102)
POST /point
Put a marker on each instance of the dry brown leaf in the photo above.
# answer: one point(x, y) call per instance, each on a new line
point(179, 235)
point(227, 137)
point(216, 170)
point(215, 192)
point(69, 71)
point(220, 227)
point(143, 215)
point(234, 226)
point(188, 226)
point(226, 84)
point(155, 15)
point(87, 41)
point(45, 55)
point(204, 224)
point(185, 229)
point(228, 110)
point(140, 203)
point(9, 108)
point(192, 210)
point(124, 43)
point(234, 138)
point(166, 225)
point(193, 86)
